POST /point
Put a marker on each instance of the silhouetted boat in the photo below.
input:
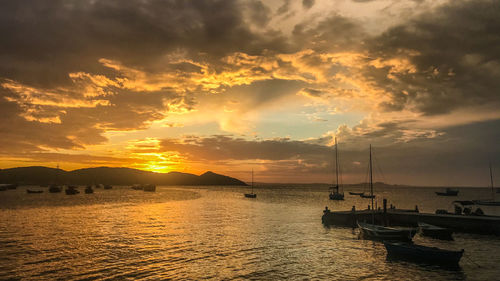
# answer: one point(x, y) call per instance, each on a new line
point(335, 193)
point(448, 192)
point(355, 193)
point(89, 189)
point(251, 195)
point(490, 202)
point(149, 187)
point(54, 188)
point(419, 253)
point(107, 186)
point(6, 186)
point(71, 190)
point(378, 232)
point(33, 191)
point(435, 231)
point(137, 187)
point(371, 195)
point(363, 195)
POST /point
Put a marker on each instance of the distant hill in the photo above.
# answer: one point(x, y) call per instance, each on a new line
point(107, 175)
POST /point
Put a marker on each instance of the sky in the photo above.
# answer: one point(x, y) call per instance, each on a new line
point(233, 86)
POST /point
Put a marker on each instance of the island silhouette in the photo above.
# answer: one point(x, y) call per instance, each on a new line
point(38, 175)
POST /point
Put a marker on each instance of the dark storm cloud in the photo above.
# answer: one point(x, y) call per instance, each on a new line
point(229, 148)
point(260, 14)
point(335, 33)
point(454, 50)
point(284, 8)
point(307, 4)
point(72, 36)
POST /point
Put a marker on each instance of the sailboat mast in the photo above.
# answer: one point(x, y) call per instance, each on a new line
point(252, 181)
point(371, 182)
point(336, 165)
point(491, 181)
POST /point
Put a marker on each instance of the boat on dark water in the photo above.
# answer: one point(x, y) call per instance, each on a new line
point(335, 193)
point(433, 231)
point(355, 193)
point(54, 188)
point(137, 187)
point(251, 195)
point(378, 232)
point(448, 192)
point(149, 188)
point(492, 201)
point(89, 189)
point(424, 254)
point(71, 190)
point(8, 186)
point(33, 191)
point(363, 195)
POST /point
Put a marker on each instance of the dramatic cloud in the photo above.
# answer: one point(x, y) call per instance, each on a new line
point(126, 82)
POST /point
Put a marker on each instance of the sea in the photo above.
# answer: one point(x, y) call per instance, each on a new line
point(215, 233)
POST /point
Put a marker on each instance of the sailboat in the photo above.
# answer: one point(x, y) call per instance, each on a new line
point(335, 193)
point(251, 195)
point(54, 188)
point(378, 232)
point(492, 201)
point(371, 195)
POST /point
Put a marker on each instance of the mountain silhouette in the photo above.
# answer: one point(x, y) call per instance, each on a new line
point(108, 175)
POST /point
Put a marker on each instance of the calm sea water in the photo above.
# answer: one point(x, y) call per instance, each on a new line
point(186, 233)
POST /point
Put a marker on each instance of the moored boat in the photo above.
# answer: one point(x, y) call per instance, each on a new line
point(435, 231)
point(107, 186)
point(448, 192)
point(33, 191)
point(251, 195)
point(335, 193)
point(137, 187)
point(71, 190)
point(492, 201)
point(363, 195)
point(6, 186)
point(355, 193)
point(149, 187)
point(89, 189)
point(419, 253)
point(54, 188)
point(378, 232)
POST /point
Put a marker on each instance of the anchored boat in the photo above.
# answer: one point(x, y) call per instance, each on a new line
point(335, 193)
point(419, 253)
point(378, 232)
point(251, 195)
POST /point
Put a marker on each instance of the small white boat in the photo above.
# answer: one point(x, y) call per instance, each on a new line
point(378, 232)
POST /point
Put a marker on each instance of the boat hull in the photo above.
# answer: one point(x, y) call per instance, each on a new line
point(33, 191)
point(336, 196)
point(355, 193)
point(424, 254)
point(380, 233)
point(250, 195)
point(149, 188)
point(486, 203)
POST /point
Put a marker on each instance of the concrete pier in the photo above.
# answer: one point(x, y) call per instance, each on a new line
point(458, 223)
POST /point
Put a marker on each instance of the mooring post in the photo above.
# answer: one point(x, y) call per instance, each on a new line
point(385, 211)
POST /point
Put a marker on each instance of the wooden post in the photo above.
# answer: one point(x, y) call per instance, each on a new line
point(385, 211)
